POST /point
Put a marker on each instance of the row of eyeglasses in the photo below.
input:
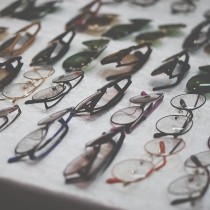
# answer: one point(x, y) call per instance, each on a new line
point(39, 143)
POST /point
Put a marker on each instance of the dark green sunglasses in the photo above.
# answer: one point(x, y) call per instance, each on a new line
point(122, 30)
point(82, 59)
point(200, 83)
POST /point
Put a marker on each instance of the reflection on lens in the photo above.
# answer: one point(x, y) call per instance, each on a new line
point(199, 84)
point(30, 142)
point(132, 169)
point(79, 60)
point(191, 101)
point(126, 115)
point(174, 124)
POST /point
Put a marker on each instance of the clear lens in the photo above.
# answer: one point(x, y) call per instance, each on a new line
point(127, 115)
point(174, 124)
point(39, 73)
point(18, 90)
point(31, 141)
point(53, 117)
point(189, 184)
point(132, 170)
point(204, 159)
point(172, 146)
point(68, 77)
point(49, 93)
point(188, 101)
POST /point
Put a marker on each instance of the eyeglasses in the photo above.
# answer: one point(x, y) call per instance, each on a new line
point(21, 40)
point(36, 77)
point(199, 36)
point(79, 23)
point(200, 83)
point(27, 10)
point(183, 6)
point(122, 30)
point(100, 153)
point(134, 56)
point(134, 170)
point(180, 124)
point(9, 70)
point(8, 116)
point(174, 67)
point(53, 95)
point(195, 185)
point(97, 156)
point(42, 141)
point(131, 116)
point(82, 59)
point(56, 49)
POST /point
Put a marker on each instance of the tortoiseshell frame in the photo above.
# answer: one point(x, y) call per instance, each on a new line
point(8, 47)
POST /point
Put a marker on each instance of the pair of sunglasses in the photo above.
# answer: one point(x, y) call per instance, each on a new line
point(134, 57)
point(200, 83)
point(55, 50)
point(164, 30)
point(27, 10)
point(199, 36)
point(82, 59)
point(22, 40)
point(173, 67)
point(9, 70)
point(122, 30)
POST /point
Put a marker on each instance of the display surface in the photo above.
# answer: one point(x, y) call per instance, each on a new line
point(41, 184)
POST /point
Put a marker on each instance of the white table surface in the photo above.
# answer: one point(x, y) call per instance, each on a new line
point(41, 185)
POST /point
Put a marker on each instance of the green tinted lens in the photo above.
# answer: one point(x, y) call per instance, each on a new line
point(120, 31)
point(96, 45)
point(199, 84)
point(79, 60)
